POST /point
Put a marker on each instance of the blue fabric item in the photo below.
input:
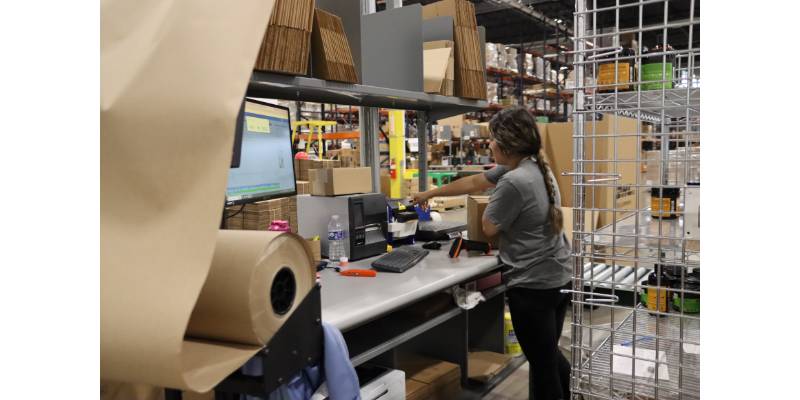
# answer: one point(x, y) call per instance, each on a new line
point(336, 370)
point(340, 375)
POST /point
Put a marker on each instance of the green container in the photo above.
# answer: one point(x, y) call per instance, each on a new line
point(652, 72)
point(691, 305)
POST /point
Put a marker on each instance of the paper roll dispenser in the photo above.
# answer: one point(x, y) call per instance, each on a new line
point(365, 215)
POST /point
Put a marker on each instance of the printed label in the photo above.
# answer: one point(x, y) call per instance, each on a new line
point(335, 235)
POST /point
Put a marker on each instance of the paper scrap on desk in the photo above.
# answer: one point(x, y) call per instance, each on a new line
point(691, 348)
point(624, 364)
point(180, 299)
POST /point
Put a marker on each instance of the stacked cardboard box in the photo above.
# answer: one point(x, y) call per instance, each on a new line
point(332, 58)
point(340, 181)
point(484, 365)
point(408, 188)
point(455, 123)
point(303, 187)
point(349, 158)
point(287, 41)
point(470, 75)
point(301, 167)
point(442, 378)
point(259, 215)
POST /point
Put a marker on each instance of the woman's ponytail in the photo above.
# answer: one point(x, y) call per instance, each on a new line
point(554, 215)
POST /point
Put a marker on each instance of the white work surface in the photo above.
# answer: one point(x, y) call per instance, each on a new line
point(351, 301)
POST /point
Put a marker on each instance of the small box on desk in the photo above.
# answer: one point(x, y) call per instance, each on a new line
point(475, 208)
point(339, 181)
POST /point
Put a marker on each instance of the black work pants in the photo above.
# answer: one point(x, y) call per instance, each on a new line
point(538, 318)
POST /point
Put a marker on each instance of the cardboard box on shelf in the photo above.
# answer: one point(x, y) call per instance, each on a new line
point(462, 11)
point(475, 207)
point(484, 130)
point(443, 378)
point(484, 365)
point(339, 181)
point(287, 41)
point(303, 166)
point(469, 66)
point(332, 58)
point(416, 390)
point(349, 158)
point(259, 215)
point(448, 85)
point(435, 63)
point(612, 135)
point(408, 188)
point(303, 187)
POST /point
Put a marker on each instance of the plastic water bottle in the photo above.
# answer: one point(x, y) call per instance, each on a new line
point(336, 236)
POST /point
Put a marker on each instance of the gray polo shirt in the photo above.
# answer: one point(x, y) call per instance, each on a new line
point(539, 258)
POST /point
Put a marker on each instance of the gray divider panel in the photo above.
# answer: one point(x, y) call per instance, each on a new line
point(439, 28)
point(391, 48)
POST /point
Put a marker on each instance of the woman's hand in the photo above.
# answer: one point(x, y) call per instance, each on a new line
point(422, 199)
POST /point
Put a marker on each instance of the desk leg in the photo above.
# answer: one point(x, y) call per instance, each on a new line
point(486, 325)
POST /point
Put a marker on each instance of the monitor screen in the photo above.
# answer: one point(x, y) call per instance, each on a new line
point(266, 168)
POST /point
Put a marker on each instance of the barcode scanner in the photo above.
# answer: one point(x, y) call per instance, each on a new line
point(460, 244)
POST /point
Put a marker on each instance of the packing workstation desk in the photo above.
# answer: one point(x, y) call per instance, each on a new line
point(394, 313)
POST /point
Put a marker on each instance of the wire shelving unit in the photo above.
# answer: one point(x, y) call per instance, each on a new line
point(647, 248)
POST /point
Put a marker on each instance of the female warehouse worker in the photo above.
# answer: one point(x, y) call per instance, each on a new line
point(525, 211)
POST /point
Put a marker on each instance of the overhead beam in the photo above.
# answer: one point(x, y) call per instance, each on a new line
point(538, 16)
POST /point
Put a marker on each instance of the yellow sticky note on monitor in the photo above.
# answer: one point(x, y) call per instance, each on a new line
point(257, 125)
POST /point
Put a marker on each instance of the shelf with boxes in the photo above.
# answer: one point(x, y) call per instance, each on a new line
point(286, 87)
point(675, 103)
point(527, 78)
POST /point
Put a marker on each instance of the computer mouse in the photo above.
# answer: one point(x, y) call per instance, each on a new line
point(432, 246)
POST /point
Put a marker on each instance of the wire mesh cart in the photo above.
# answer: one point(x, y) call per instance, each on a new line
point(636, 200)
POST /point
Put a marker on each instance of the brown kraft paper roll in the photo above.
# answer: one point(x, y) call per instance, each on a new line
point(173, 74)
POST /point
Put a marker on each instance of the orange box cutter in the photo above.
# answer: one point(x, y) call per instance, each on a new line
point(366, 273)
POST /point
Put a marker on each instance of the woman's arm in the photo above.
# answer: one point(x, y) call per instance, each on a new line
point(470, 184)
point(489, 228)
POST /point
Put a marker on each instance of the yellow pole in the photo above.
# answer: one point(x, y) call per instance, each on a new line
point(397, 151)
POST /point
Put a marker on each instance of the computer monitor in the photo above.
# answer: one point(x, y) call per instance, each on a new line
point(266, 167)
point(237, 138)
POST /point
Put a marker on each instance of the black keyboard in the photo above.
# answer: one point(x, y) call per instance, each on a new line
point(400, 259)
